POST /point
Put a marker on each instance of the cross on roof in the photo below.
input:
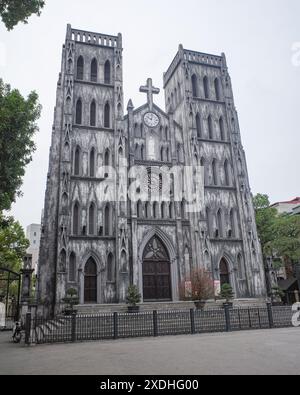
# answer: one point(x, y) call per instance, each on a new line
point(150, 90)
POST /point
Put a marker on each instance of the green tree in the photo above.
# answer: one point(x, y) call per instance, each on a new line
point(18, 126)
point(279, 233)
point(13, 244)
point(14, 11)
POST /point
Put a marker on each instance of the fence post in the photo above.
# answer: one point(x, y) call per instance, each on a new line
point(73, 333)
point(192, 315)
point(270, 315)
point(155, 324)
point(227, 317)
point(27, 328)
point(116, 329)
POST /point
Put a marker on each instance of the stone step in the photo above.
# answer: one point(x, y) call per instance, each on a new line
point(159, 306)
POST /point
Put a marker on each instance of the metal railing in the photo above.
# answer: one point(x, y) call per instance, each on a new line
point(80, 327)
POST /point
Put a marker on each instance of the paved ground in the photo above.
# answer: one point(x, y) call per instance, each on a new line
point(258, 352)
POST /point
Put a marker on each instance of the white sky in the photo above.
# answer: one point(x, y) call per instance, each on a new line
point(256, 35)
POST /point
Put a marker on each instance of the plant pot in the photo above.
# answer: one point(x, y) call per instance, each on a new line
point(200, 304)
point(133, 309)
point(69, 312)
point(228, 304)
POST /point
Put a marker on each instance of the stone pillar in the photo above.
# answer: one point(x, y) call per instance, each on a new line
point(26, 278)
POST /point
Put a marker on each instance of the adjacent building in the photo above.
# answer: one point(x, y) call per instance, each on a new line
point(33, 234)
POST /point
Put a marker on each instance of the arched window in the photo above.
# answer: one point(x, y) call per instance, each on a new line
point(195, 85)
point(142, 130)
point(204, 170)
point(224, 273)
point(214, 172)
point(72, 268)
point(80, 68)
point(107, 221)
point(198, 126)
point(167, 155)
point(107, 115)
point(171, 210)
point(210, 128)
point(78, 112)
point(217, 89)
point(222, 129)
point(76, 219)
point(182, 209)
point(155, 210)
point(107, 73)
point(110, 268)
point(77, 161)
point(139, 209)
point(62, 261)
point(148, 210)
point(142, 152)
point(92, 162)
point(162, 151)
point(232, 219)
point(164, 213)
point(227, 173)
point(206, 87)
point(94, 70)
point(220, 223)
point(107, 162)
point(93, 113)
point(166, 133)
point(92, 219)
point(241, 267)
point(208, 221)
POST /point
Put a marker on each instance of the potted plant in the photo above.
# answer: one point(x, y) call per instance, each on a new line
point(71, 300)
point(227, 294)
point(277, 296)
point(133, 299)
point(202, 288)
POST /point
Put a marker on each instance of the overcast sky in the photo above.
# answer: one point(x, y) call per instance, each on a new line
point(256, 35)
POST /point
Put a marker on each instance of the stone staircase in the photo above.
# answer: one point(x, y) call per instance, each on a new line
point(159, 306)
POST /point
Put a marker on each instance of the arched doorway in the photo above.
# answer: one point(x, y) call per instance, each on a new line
point(156, 272)
point(224, 272)
point(90, 282)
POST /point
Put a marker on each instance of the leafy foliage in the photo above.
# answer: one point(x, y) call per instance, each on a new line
point(14, 11)
point(227, 292)
point(13, 244)
point(133, 296)
point(279, 233)
point(18, 118)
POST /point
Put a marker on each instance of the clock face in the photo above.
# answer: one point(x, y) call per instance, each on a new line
point(151, 120)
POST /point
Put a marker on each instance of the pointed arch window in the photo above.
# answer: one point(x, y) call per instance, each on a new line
point(208, 221)
point(139, 209)
point(72, 268)
point(148, 210)
point(195, 85)
point(93, 113)
point(210, 128)
point(227, 173)
point(241, 267)
point(155, 210)
point(110, 268)
point(92, 219)
point(62, 261)
point(222, 129)
point(107, 72)
point(92, 162)
point(217, 89)
point(232, 217)
point(78, 119)
point(76, 212)
point(171, 210)
point(182, 209)
point(80, 68)
point(94, 70)
point(219, 223)
point(77, 157)
point(107, 221)
point(206, 87)
point(107, 115)
point(198, 126)
point(214, 172)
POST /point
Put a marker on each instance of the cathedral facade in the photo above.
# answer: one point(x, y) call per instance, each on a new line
point(110, 219)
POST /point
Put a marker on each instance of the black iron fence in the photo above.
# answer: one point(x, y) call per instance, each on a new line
point(157, 323)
